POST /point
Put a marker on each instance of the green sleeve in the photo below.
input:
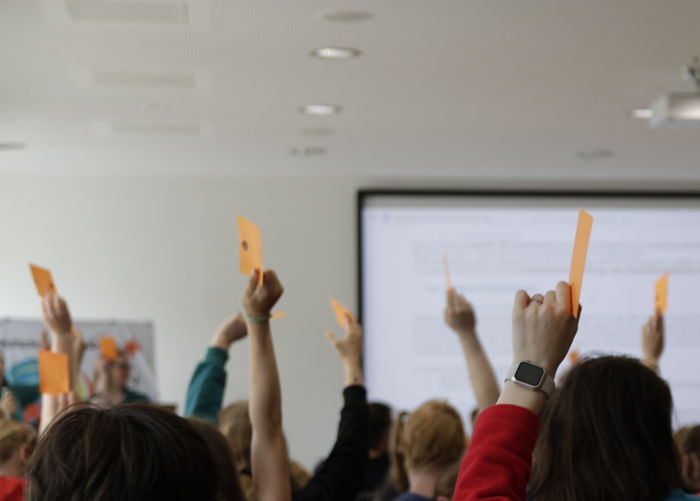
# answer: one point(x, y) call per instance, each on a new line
point(205, 393)
point(25, 394)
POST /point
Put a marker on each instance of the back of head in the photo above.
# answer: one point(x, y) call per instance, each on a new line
point(227, 476)
point(13, 437)
point(688, 442)
point(379, 425)
point(606, 434)
point(135, 452)
point(431, 438)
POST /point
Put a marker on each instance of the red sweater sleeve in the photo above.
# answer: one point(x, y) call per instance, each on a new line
point(497, 464)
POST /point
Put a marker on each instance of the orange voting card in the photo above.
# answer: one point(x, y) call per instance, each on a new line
point(578, 259)
point(446, 267)
point(662, 294)
point(108, 348)
point(53, 373)
point(250, 247)
point(574, 357)
point(341, 313)
point(278, 314)
point(42, 279)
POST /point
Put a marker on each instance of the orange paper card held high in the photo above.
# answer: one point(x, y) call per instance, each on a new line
point(42, 279)
point(341, 313)
point(662, 294)
point(250, 247)
point(108, 348)
point(446, 268)
point(578, 259)
point(53, 373)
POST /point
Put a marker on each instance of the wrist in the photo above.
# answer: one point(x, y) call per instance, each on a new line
point(515, 394)
point(353, 375)
point(221, 343)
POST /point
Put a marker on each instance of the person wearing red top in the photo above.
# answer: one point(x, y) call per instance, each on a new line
point(605, 434)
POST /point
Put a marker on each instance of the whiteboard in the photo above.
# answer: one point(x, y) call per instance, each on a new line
point(499, 243)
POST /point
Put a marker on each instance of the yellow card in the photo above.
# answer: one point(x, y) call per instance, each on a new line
point(662, 294)
point(250, 247)
point(578, 259)
point(42, 279)
point(341, 313)
point(53, 373)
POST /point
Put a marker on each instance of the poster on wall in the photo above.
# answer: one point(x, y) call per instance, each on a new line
point(20, 341)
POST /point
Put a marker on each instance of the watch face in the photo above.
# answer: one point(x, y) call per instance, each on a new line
point(529, 374)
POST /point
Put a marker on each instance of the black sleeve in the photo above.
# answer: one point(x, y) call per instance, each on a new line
point(341, 477)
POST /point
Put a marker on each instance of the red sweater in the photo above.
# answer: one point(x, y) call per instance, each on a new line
point(497, 464)
point(11, 489)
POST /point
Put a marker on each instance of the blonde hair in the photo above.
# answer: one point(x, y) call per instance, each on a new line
point(14, 435)
point(430, 438)
point(234, 423)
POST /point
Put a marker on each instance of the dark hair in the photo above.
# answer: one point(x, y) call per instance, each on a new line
point(379, 423)
point(135, 451)
point(229, 485)
point(606, 434)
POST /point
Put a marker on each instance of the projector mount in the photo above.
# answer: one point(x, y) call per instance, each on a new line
point(692, 72)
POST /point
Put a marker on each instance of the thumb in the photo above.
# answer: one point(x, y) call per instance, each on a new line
point(252, 283)
point(332, 338)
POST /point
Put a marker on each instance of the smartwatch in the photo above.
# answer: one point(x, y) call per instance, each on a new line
point(531, 376)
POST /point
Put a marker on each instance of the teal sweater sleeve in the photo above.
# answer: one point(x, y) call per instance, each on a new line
point(205, 394)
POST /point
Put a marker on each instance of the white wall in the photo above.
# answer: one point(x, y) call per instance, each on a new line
point(166, 250)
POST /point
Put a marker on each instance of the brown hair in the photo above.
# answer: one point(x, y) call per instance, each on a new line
point(229, 486)
point(606, 434)
point(431, 438)
point(235, 425)
point(379, 423)
point(14, 435)
point(135, 451)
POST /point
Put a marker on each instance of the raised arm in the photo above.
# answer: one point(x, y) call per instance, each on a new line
point(205, 393)
point(460, 317)
point(498, 461)
point(342, 475)
point(269, 458)
point(653, 340)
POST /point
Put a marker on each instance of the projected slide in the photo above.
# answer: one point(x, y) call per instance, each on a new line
point(498, 245)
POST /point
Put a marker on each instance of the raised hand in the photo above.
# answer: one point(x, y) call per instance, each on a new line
point(350, 351)
point(459, 314)
point(8, 404)
point(543, 327)
point(56, 314)
point(653, 340)
point(229, 332)
point(258, 300)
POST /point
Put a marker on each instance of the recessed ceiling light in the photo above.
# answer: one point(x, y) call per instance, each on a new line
point(12, 146)
point(593, 154)
point(307, 151)
point(347, 16)
point(336, 53)
point(320, 109)
point(642, 113)
point(316, 131)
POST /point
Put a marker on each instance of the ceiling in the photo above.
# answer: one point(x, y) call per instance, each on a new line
point(457, 88)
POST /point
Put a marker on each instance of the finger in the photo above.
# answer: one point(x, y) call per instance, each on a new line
point(536, 299)
point(72, 398)
point(451, 298)
point(252, 283)
point(273, 280)
point(332, 338)
point(563, 297)
point(658, 322)
point(550, 298)
point(522, 301)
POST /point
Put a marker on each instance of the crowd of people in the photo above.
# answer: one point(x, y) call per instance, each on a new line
point(602, 432)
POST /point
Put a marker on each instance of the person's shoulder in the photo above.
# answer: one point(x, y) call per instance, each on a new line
point(12, 488)
point(679, 495)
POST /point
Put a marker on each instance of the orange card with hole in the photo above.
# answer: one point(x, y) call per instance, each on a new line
point(42, 279)
point(446, 268)
point(108, 348)
point(341, 313)
point(53, 373)
point(661, 296)
point(250, 247)
point(578, 259)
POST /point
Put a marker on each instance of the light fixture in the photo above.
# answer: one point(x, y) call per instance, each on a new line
point(595, 154)
point(336, 53)
point(320, 109)
point(347, 16)
point(642, 113)
point(307, 151)
point(676, 110)
point(12, 146)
